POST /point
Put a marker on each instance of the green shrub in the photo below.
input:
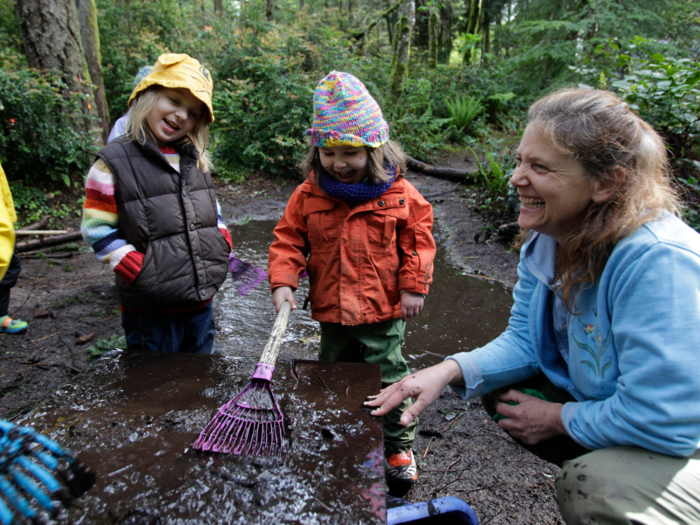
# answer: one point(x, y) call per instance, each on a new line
point(662, 89)
point(38, 139)
point(260, 125)
point(464, 112)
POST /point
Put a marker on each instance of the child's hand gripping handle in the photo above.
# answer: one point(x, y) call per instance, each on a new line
point(266, 365)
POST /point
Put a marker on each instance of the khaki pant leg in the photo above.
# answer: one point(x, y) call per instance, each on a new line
point(630, 486)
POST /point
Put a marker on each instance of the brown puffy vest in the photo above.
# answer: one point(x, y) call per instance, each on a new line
point(171, 218)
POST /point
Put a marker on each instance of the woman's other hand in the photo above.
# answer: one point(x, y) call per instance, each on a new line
point(282, 294)
point(411, 304)
point(532, 419)
point(424, 387)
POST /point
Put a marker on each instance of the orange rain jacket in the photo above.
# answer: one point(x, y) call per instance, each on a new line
point(360, 257)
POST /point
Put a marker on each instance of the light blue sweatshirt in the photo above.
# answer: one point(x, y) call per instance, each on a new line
point(634, 347)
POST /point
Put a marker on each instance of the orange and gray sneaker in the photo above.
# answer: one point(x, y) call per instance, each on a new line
point(12, 326)
point(401, 467)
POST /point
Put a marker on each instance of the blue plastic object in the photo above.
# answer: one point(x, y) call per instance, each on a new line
point(449, 510)
point(37, 476)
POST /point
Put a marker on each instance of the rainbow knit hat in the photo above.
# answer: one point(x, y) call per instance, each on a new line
point(345, 114)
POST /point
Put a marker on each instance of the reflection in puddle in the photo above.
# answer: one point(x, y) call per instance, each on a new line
point(461, 313)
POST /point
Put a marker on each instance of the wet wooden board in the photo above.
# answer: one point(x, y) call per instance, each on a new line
point(134, 417)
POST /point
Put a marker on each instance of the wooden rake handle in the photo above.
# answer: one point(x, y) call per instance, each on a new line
point(272, 348)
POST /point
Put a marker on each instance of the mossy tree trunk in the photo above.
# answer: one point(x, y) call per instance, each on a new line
point(268, 10)
point(402, 50)
point(474, 11)
point(51, 40)
point(445, 36)
point(486, 33)
point(433, 29)
point(219, 7)
point(87, 16)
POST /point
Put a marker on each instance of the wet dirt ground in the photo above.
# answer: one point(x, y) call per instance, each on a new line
point(459, 450)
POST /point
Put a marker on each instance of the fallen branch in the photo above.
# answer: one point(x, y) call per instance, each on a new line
point(43, 223)
point(451, 174)
point(45, 243)
point(35, 255)
point(439, 483)
point(41, 232)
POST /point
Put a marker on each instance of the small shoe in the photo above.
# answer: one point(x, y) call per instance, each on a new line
point(13, 326)
point(401, 467)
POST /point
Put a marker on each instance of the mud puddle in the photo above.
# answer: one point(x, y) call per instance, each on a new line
point(134, 418)
point(461, 313)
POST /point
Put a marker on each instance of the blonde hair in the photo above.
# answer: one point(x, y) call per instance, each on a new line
point(137, 128)
point(617, 148)
point(388, 154)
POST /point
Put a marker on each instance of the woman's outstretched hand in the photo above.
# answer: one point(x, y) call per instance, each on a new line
point(424, 387)
point(532, 419)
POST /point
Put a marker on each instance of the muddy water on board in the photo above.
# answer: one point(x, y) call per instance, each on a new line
point(460, 314)
point(134, 417)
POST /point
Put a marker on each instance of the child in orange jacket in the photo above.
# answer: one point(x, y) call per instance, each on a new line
point(367, 234)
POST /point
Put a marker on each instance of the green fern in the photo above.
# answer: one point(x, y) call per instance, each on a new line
point(102, 346)
point(464, 111)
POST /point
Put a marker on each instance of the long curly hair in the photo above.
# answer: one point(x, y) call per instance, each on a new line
point(616, 147)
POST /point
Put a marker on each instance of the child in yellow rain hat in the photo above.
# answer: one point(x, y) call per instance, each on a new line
point(152, 215)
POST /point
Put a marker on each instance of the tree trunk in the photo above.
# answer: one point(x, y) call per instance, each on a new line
point(402, 49)
point(486, 37)
point(87, 16)
point(268, 10)
point(361, 33)
point(219, 7)
point(433, 28)
point(472, 27)
point(445, 38)
point(51, 38)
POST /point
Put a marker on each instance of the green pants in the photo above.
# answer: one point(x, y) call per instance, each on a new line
point(378, 343)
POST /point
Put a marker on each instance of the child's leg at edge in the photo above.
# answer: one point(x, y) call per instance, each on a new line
point(377, 343)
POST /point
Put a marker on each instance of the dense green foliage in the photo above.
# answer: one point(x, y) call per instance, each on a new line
point(495, 57)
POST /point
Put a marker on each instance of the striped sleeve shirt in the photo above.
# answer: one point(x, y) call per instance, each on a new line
point(100, 224)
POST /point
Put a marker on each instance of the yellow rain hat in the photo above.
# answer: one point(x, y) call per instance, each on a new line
point(178, 70)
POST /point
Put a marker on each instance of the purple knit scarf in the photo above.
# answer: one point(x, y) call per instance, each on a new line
point(360, 192)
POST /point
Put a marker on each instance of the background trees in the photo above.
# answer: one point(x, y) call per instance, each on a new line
point(447, 73)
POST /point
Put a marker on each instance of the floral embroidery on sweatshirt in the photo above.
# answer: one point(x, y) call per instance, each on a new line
point(597, 351)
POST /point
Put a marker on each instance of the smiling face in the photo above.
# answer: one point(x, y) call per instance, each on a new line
point(346, 164)
point(554, 190)
point(174, 115)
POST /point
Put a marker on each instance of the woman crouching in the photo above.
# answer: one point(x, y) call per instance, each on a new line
point(605, 327)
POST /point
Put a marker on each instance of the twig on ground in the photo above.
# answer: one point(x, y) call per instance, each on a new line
point(452, 422)
point(322, 381)
point(480, 276)
point(497, 514)
point(438, 488)
point(428, 447)
point(45, 337)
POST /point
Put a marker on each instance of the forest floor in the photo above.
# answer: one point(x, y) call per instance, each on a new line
point(460, 450)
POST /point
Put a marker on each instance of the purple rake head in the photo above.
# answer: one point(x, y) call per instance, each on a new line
point(245, 275)
point(251, 423)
